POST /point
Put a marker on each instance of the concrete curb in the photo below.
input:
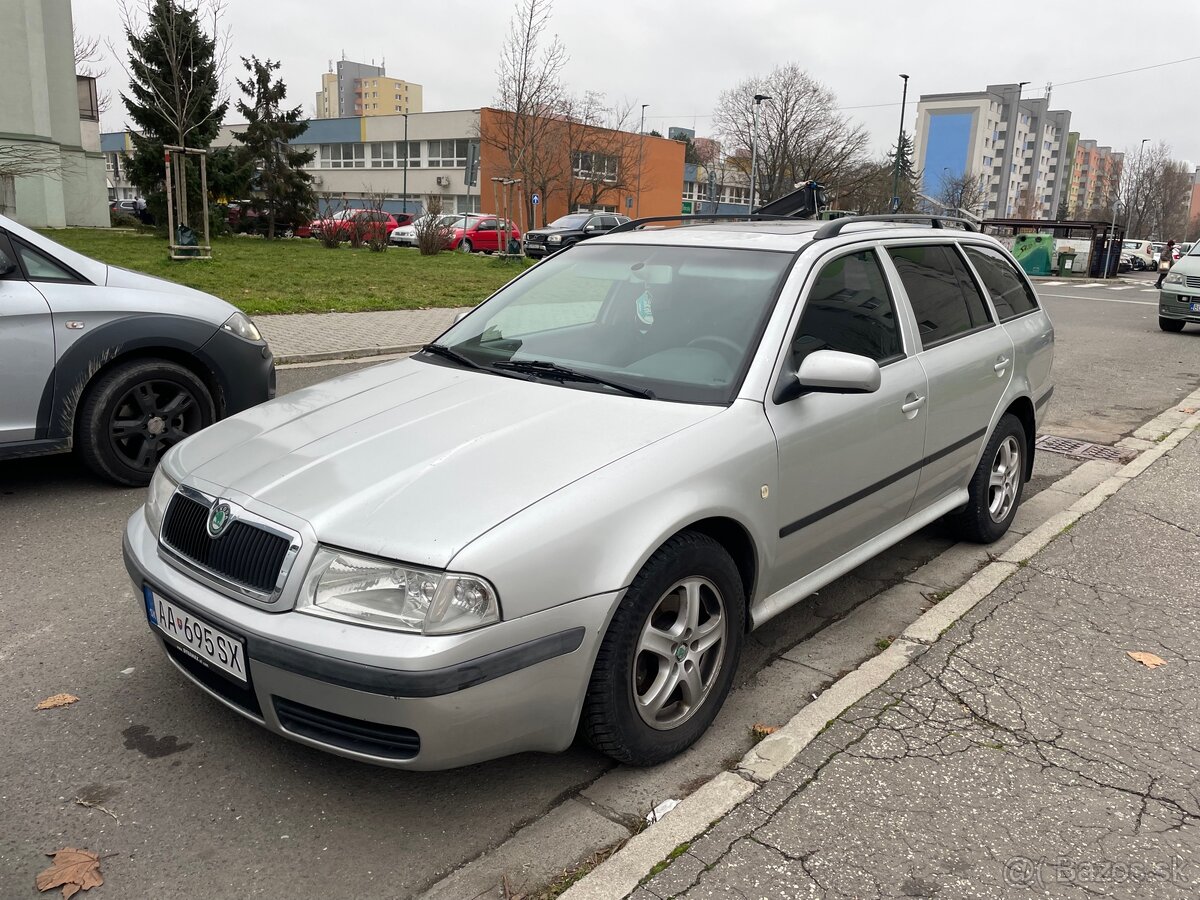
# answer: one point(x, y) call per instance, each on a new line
point(619, 875)
point(288, 359)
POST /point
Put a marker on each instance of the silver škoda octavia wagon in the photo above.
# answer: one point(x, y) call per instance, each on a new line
point(566, 514)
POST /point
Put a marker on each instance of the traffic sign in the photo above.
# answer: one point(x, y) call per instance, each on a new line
point(535, 199)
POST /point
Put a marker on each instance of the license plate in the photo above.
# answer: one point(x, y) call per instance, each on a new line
point(1195, 307)
point(202, 640)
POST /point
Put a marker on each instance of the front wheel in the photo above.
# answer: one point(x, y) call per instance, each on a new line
point(135, 413)
point(668, 659)
point(1172, 325)
point(466, 247)
point(995, 489)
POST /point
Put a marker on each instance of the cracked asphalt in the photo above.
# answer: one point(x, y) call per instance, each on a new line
point(1023, 754)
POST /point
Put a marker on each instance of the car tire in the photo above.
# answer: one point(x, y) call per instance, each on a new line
point(134, 413)
point(995, 488)
point(1172, 325)
point(645, 703)
point(466, 247)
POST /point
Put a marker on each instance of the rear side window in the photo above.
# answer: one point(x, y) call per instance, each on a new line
point(849, 309)
point(945, 299)
point(1010, 294)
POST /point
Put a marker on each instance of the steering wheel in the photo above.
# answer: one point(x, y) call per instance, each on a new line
point(731, 350)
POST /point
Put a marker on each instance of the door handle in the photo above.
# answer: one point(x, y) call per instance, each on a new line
point(912, 405)
point(1001, 364)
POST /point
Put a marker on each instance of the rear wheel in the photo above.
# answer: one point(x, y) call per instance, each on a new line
point(669, 656)
point(1170, 324)
point(995, 489)
point(135, 413)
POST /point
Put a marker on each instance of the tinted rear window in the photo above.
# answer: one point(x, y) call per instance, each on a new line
point(944, 297)
point(1009, 292)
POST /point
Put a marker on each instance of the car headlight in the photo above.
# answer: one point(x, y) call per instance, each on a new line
point(241, 325)
point(554, 239)
point(162, 488)
point(341, 585)
point(1174, 278)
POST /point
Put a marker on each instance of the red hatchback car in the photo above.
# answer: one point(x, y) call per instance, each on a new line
point(372, 224)
point(481, 233)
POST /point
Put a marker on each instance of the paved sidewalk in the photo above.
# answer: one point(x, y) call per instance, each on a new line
point(1024, 754)
point(308, 337)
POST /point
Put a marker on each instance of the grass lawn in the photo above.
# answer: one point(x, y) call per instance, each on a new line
point(300, 275)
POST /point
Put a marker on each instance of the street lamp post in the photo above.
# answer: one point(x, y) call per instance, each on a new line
point(641, 142)
point(899, 141)
point(405, 161)
point(758, 99)
point(1137, 188)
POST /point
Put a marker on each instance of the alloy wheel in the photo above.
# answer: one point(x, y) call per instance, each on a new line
point(151, 417)
point(679, 653)
point(1004, 480)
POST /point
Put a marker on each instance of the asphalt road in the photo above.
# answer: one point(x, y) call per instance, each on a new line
point(205, 804)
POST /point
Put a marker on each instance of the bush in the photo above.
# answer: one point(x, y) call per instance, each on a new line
point(432, 238)
point(118, 219)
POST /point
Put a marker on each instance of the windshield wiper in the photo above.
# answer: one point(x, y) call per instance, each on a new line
point(562, 373)
point(450, 353)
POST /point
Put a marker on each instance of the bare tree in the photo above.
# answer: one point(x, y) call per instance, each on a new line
point(22, 160)
point(604, 154)
point(376, 234)
point(801, 134)
point(88, 63)
point(530, 93)
point(962, 192)
point(1154, 193)
point(331, 235)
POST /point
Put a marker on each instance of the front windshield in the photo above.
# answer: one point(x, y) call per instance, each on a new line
point(1131, 245)
point(1195, 251)
point(575, 220)
point(681, 322)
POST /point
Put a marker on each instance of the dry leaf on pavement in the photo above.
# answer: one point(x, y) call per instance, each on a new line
point(1149, 660)
point(57, 700)
point(72, 870)
point(760, 730)
point(1187, 410)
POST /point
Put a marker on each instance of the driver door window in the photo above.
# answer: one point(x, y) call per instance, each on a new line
point(849, 309)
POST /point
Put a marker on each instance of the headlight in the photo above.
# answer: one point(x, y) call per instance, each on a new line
point(1174, 278)
point(162, 486)
point(386, 594)
point(554, 239)
point(240, 324)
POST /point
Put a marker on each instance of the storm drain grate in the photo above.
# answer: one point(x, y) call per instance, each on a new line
point(1083, 449)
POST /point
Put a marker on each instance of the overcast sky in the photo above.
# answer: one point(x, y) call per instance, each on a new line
point(678, 56)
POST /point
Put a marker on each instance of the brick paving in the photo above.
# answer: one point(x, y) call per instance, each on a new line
point(314, 336)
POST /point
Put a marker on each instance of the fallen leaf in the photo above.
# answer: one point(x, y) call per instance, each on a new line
point(1149, 660)
point(73, 870)
point(1187, 410)
point(57, 700)
point(761, 731)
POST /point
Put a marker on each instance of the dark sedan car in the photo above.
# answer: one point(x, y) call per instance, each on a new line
point(569, 230)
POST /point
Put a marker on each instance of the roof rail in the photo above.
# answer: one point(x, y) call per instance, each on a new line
point(834, 227)
point(698, 219)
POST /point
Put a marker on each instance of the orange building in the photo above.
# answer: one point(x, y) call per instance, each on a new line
point(573, 166)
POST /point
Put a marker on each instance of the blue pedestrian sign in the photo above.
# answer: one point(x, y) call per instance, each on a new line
point(535, 199)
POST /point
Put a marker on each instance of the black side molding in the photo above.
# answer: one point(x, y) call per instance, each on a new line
point(1045, 398)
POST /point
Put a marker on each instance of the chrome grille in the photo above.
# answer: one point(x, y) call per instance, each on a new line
point(1192, 281)
point(245, 554)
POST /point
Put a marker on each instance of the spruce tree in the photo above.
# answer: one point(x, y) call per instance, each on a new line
point(283, 190)
point(910, 177)
point(174, 95)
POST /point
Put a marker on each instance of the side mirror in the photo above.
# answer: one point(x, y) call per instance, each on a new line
point(835, 372)
point(591, 228)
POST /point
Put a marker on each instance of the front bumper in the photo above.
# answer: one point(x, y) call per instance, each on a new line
point(1175, 302)
point(537, 251)
point(245, 370)
point(455, 699)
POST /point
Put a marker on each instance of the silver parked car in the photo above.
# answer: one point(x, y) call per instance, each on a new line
point(117, 365)
point(567, 513)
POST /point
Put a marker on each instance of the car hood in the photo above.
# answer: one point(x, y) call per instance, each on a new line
point(546, 232)
point(197, 304)
point(413, 460)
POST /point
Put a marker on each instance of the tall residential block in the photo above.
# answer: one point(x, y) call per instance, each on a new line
point(363, 89)
point(1094, 179)
point(1011, 145)
point(51, 169)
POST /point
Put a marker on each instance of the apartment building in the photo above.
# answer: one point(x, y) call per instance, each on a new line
point(1094, 179)
point(53, 173)
point(362, 89)
point(1011, 144)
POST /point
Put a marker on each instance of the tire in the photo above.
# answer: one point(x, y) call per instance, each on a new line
point(996, 486)
point(1172, 325)
point(690, 571)
point(466, 247)
point(134, 413)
